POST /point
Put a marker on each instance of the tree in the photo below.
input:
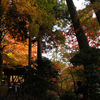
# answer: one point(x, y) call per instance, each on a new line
point(80, 34)
point(16, 53)
point(90, 60)
point(10, 23)
point(90, 26)
point(3, 7)
point(40, 79)
point(87, 68)
point(40, 16)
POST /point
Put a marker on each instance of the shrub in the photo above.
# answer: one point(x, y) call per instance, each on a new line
point(69, 96)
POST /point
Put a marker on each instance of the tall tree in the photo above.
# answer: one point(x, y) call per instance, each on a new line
point(90, 69)
point(10, 21)
point(39, 16)
point(3, 7)
point(80, 34)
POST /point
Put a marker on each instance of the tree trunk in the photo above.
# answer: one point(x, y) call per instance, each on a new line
point(80, 34)
point(0, 43)
point(73, 81)
point(29, 51)
point(0, 66)
point(97, 12)
point(39, 49)
point(29, 62)
point(1, 49)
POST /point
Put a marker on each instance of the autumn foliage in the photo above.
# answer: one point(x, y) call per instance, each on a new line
point(16, 53)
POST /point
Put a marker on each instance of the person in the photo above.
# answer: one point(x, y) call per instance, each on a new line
point(3, 91)
point(82, 91)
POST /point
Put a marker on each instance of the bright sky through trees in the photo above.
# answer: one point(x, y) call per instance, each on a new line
point(80, 4)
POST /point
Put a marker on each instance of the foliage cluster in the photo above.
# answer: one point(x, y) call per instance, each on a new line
point(86, 57)
point(89, 58)
point(16, 53)
point(38, 80)
point(52, 96)
point(69, 96)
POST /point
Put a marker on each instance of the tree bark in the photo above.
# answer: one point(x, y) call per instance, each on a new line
point(29, 62)
point(1, 50)
point(0, 44)
point(39, 48)
point(97, 12)
point(80, 34)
